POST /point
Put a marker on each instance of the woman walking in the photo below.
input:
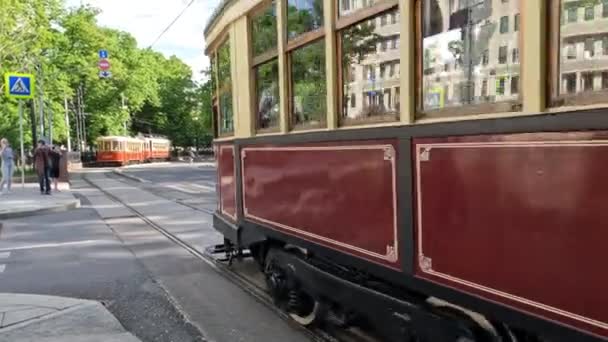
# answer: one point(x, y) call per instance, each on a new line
point(6, 155)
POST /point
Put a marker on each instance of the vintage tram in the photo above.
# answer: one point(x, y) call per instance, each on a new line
point(433, 168)
point(119, 150)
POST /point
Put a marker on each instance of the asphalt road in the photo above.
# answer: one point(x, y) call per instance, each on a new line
point(75, 254)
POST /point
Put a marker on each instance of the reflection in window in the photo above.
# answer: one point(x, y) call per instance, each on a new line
point(267, 95)
point(308, 88)
point(226, 119)
point(264, 30)
point(584, 47)
point(349, 6)
point(466, 46)
point(377, 89)
point(303, 16)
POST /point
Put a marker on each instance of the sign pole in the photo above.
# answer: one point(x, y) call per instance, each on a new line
point(22, 149)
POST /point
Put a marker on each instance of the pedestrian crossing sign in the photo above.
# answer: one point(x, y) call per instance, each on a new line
point(19, 86)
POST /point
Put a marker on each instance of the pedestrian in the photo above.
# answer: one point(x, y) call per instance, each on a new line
point(43, 167)
point(55, 157)
point(6, 154)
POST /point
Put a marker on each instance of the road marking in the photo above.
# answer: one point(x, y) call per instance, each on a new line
point(61, 244)
point(5, 255)
point(2, 267)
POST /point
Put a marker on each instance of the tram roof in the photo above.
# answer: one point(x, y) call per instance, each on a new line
point(217, 13)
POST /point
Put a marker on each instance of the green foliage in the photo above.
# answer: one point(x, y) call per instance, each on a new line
point(61, 47)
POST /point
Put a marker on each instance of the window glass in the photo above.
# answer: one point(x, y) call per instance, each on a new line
point(226, 120)
point(375, 76)
point(349, 6)
point(584, 49)
point(464, 44)
point(303, 16)
point(308, 86)
point(267, 95)
point(264, 30)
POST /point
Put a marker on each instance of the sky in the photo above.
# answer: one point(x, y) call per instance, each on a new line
point(146, 19)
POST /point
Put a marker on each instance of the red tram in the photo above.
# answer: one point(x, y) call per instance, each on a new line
point(390, 164)
point(127, 150)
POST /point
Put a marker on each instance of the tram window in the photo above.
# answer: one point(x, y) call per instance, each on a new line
point(308, 86)
point(303, 16)
point(115, 146)
point(577, 72)
point(464, 43)
point(267, 95)
point(377, 90)
point(264, 30)
point(226, 113)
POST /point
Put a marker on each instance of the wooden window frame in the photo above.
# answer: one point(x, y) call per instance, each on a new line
point(225, 40)
point(555, 99)
point(515, 105)
point(259, 60)
point(290, 87)
point(343, 23)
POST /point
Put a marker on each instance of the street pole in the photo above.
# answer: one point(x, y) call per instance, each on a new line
point(22, 148)
point(67, 122)
point(50, 112)
point(41, 99)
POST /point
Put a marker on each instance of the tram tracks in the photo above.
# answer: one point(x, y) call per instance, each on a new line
point(326, 333)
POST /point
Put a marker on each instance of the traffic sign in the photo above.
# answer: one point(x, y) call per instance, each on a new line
point(104, 64)
point(19, 86)
point(103, 54)
point(105, 74)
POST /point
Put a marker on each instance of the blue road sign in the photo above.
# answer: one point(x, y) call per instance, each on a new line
point(103, 54)
point(105, 74)
point(19, 86)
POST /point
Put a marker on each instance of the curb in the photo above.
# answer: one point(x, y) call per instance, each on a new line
point(75, 204)
point(128, 176)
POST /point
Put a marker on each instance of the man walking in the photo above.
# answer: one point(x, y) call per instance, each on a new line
point(43, 167)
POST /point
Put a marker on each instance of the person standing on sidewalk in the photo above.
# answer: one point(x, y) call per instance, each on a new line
point(43, 167)
point(6, 155)
point(55, 156)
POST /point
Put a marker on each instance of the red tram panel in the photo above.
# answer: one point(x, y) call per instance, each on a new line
point(517, 219)
point(343, 196)
point(227, 181)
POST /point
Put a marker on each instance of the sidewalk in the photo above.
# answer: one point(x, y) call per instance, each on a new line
point(29, 318)
point(23, 202)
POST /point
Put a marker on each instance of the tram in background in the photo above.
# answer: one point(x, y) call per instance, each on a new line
point(389, 163)
point(119, 150)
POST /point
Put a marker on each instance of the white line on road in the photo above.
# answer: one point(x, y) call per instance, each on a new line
point(5, 255)
point(2, 267)
point(60, 244)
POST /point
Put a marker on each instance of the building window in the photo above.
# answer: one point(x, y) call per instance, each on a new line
point(504, 24)
point(605, 80)
point(578, 67)
point(353, 101)
point(516, 23)
point(356, 5)
point(463, 42)
point(345, 5)
point(569, 83)
point(515, 57)
point(500, 85)
point(383, 20)
point(502, 55)
point(589, 13)
point(605, 9)
point(514, 85)
point(304, 16)
point(358, 44)
point(587, 79)
point(267, 95)
point(308, 106)
point(264, 30)
point(224, 91)
point(393, 18)
point(572, 14)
